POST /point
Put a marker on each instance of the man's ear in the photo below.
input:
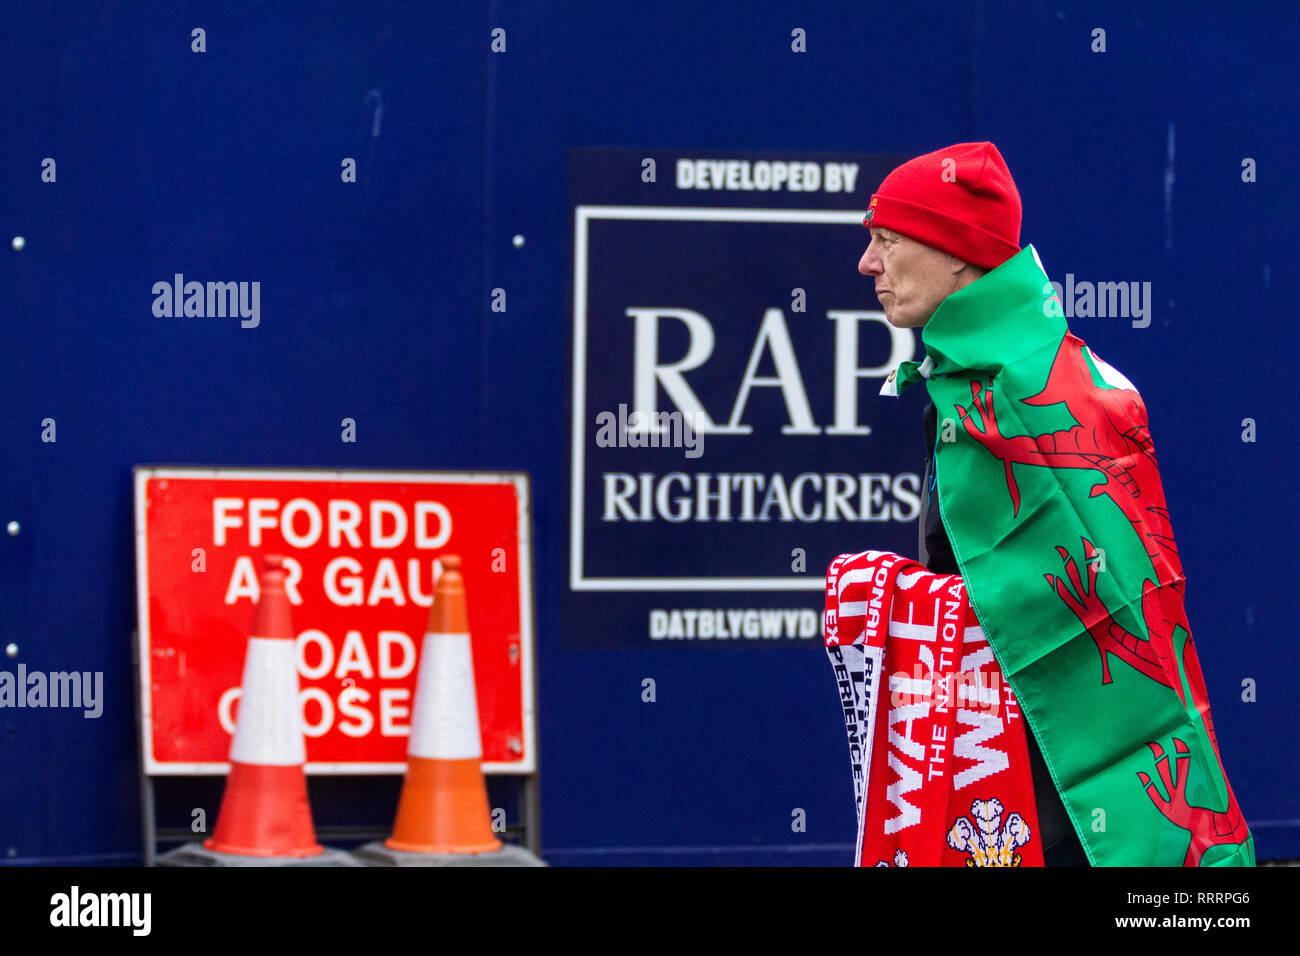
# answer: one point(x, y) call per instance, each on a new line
point(958, 266)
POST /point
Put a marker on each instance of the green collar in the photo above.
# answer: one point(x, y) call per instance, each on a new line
point(1000, 317)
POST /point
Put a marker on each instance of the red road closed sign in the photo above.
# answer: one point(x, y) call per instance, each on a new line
point(362, 554)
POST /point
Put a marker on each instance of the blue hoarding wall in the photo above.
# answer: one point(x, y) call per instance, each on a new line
point(1166, 156)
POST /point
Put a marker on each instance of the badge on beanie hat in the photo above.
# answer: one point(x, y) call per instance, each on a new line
point(960, 200)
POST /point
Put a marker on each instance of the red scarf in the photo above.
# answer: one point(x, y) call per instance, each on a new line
point(945, 769)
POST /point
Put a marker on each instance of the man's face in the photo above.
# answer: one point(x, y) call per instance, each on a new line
point(911, 278)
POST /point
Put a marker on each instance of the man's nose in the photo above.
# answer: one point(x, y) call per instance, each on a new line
point(869, 264)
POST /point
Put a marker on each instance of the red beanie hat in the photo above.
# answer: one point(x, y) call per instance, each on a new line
point(961, 200)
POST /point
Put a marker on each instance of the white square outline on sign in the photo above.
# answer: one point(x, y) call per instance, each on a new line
point(583, 214)
point(527, 764)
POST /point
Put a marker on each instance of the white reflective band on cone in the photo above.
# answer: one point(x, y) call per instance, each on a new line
point(444, 719)
point(268, 727)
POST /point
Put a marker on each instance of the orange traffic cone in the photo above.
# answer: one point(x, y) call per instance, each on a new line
point(444, 806)
point(264, 810)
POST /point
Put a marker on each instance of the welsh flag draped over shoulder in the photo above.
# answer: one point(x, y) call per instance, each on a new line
point(1048, 487)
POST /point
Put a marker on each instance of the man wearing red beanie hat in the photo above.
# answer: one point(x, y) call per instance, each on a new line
point(1029, 498)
